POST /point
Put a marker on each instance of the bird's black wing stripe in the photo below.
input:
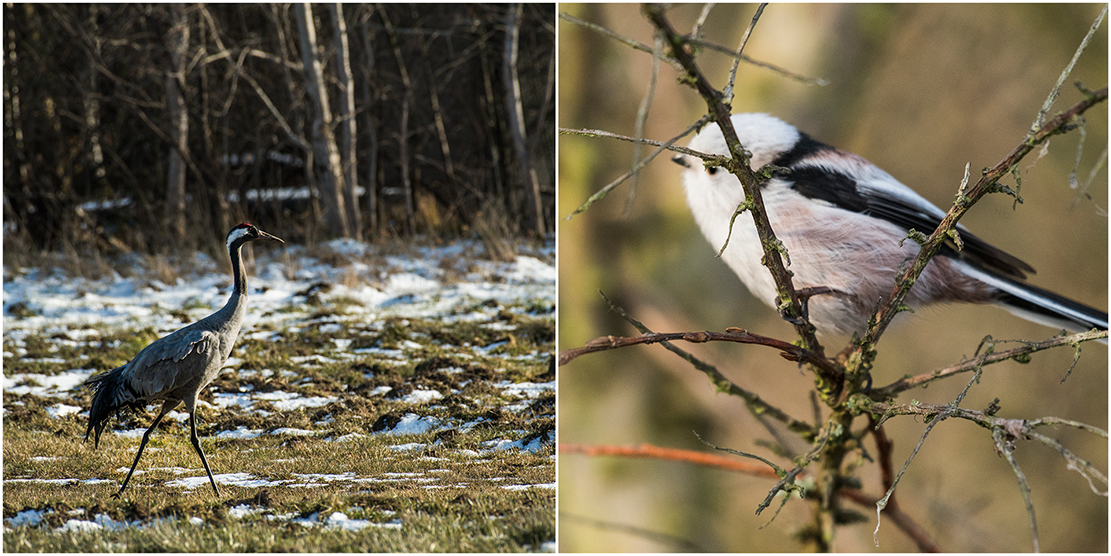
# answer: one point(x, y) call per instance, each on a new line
point(976, 251)
point(842, 191)
point(806, 146)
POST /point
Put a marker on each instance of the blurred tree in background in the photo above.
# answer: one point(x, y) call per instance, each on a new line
point(919, 90)
point(136, 126)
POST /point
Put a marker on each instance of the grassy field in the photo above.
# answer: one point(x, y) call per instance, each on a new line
point(336, 427)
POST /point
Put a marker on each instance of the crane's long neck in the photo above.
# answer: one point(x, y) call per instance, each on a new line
point(237, 304)
point(239, 274)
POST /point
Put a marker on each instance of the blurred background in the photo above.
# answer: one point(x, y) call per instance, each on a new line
point(919, 90)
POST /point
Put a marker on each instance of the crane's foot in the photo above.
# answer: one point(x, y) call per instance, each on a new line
point(116, 496)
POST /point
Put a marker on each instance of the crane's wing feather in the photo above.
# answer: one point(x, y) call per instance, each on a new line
point(174, 361)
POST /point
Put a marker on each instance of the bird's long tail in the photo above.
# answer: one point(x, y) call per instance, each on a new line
point(111, 394)
point(1042, 306)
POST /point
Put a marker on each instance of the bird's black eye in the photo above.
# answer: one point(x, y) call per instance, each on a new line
point(712, 170)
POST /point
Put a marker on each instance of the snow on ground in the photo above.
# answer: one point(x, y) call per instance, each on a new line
point(417, 286)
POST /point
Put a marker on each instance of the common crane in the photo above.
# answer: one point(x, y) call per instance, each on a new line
point(175, 368)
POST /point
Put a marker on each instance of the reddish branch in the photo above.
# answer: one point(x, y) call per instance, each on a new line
point(901, 520)
point(673, 454)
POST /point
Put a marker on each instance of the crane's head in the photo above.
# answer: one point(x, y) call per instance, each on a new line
point(247, 232)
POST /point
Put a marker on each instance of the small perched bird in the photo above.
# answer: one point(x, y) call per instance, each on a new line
point(174, 369)
point(842, 219)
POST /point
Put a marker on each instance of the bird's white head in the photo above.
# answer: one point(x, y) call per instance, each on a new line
point(241, 232)
point(248, 232)
point(713, 193)
point(764, 136)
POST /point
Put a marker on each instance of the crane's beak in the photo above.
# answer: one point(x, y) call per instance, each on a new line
point(264, 235)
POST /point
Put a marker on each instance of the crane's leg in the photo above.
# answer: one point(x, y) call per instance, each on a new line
point(197, 444)
point(166, 408)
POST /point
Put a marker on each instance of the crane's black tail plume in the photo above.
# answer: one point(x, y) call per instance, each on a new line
point(111, 394)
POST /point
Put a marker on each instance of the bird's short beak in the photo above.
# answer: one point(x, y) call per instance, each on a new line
point(680, 160)
point(264, 235)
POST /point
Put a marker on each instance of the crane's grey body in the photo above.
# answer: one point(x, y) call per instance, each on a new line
point(174, 369)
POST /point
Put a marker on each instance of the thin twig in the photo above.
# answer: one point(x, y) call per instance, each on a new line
point(668, 145)
point(601, 193)
point(818, 81)
point(1075, 462)
point(1004, 446)
point(637, 45)
point(789, 351)
point(1028, 348)
point(1053, 94)
point(728, 92)
point(753, 402)
point(672, 454)
point(696, 31)
point(642, 118)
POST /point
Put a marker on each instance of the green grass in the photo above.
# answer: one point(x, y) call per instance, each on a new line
point(446, 494)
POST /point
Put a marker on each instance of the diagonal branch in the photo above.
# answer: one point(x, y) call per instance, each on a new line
point(669, 145)
point(739, 166)
point(988, 183)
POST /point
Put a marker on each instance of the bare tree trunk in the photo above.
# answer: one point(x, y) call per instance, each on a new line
point(347, 121)
point(441, 130)
point(549, 94)
point(534, 213)
point(372, 136)
point(403, 154)
point(494, 123)
point(330, 180)
point(178, 39)
point(217, 194)
point(403, 138)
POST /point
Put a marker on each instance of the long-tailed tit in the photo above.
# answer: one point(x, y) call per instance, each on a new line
point(842, 219)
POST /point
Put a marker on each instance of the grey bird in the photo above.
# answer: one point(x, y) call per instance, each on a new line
point(174, 369)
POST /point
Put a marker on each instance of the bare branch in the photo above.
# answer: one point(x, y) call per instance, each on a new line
point(739, 167)
point(1019, 353)
point(1004, 446)
point(753, 402)
point(790, 351)
point(1065, 73)
point(601, 194)
point(637, 45)
point(728, 92)
point(987, 184)
point(673, 454)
